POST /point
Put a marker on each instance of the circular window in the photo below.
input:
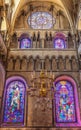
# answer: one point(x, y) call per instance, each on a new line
point(41, 20)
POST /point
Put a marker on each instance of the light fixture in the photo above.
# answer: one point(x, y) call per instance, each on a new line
point(41, 83)
point(42, 89)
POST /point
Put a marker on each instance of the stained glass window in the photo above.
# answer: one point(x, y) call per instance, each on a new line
point(41, 20)
point(14, 105)
point(65, 102)
point(60, 41)
point(25, 43)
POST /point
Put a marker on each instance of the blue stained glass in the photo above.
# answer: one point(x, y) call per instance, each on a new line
point(59, 43)
point(41, 20)
point(14, 102)
point(25, 43)
point(65, 102)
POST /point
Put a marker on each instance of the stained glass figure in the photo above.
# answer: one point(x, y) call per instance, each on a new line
point(25, 43)
point(59, 41)
point(41, 20)
point(14, 102)
point(65, 102)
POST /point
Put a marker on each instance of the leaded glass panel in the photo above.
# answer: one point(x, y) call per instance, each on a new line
point(65, 102)
point(41, 20)
point(59, 43)
point(14, 104)
point(25, 43)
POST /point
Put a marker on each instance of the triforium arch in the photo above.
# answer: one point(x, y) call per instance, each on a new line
point(14, 102)
point(67, 111)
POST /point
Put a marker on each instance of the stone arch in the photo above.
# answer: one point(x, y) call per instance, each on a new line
point(10, 64)
point(61, 63)
point(17, 63)
point(54, 63)
point(37, 63)
point(74, 63)
point(30, 63)
point(24, 65)
point(62, 3)
point(47, 64)
point(67, 63)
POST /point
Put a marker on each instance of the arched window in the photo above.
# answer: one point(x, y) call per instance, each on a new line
point(59, 41)
point(14, 101)
point(41, 20)
point(66, 102)
point(25, 43)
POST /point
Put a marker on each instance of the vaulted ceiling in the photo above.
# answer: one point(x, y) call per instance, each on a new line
point(70, 8)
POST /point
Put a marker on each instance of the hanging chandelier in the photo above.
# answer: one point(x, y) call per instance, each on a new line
point(41, 83)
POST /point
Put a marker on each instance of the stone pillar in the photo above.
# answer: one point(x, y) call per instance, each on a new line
point(42, 43)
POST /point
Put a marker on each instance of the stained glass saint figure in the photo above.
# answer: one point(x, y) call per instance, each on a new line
point(14, 102)
point(25, 43)
point(65, 102)
point(59, 43)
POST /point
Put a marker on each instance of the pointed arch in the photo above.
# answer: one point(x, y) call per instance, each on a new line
point(24, 41)
point(20, 3)
point(59, 41)
point(66, 102)
point(14, 102)
point(68, 15)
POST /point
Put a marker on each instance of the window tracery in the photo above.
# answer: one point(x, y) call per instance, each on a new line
point(41, 20)
point(14, 102)
point(66, 103)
